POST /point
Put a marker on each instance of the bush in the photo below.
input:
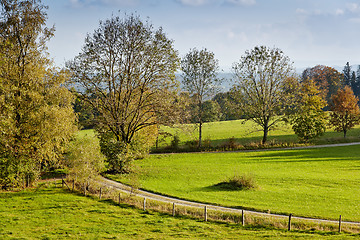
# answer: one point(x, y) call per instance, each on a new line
point(175, 142)
point(84, 160)
point(231, 144)
point(239, 182)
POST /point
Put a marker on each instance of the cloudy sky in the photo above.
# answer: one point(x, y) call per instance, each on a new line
point(310, 32)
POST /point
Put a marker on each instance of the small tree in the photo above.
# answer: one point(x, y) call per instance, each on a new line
point(200, 68)
point(309, 120)
point(261, 76)
point(84, 159)
point(345, 110)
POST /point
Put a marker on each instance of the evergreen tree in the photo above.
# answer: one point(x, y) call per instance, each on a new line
point(353, 82)
point(347, 75)
point(357, 83)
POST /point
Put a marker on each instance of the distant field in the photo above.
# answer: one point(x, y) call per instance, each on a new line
point(49, 213)
point(246, 132)
point(321, 182)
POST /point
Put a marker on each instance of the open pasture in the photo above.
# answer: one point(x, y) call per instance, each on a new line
point(246, 132)
point(320, 182)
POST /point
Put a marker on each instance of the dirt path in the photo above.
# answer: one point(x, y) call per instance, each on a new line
point(180, 202)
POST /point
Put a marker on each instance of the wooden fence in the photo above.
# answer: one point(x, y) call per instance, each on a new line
point(210, 213)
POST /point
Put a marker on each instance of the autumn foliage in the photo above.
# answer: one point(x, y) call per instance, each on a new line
point(345, 110)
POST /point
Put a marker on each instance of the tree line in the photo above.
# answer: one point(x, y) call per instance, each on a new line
point(123, 84)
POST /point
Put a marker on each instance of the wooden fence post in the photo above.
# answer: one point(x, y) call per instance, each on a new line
point(173, 212)
point(144, 204)
point(73, 185)
point(84, 189)
point(100, 194)
point(119, 197)
point(242, 218)
point(62, 181)
point(289, 226)
point(340, 224)
point(205, 213)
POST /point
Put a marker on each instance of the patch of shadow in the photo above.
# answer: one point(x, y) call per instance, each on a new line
point(225, 186)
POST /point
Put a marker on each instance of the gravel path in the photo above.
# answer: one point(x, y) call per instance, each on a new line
point(180, 202)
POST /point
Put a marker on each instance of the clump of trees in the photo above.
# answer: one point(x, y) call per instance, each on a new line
point(36, 115)
point(124, 86)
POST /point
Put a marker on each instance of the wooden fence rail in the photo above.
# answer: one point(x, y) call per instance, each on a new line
point(246, 217)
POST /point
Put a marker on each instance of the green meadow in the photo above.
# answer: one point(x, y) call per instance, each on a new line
point(320, 182)
point(54, 213)
point(246, 132)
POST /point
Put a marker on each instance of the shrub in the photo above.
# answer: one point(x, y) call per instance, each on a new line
point(175, 142)
point(230, 144)
point(239, 182)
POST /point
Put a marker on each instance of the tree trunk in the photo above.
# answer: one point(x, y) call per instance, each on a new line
point(200, 134)
point(266, 130)
point(345, 133)
point(200, 122)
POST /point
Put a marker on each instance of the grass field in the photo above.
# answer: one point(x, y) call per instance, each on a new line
point(246, 132)
point(322, 182)
point(53, 213)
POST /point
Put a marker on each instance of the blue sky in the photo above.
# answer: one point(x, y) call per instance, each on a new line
point(310, 32)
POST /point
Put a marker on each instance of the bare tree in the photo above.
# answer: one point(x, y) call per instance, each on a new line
point(200, 68)
point(262, 75)
point(127, 73)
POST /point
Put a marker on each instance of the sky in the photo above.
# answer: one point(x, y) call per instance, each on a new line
point(310, 32)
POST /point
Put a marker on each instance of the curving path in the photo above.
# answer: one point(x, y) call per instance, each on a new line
point(180, 202)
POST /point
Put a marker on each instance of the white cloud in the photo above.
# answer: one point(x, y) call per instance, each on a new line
point(353, 7)
point(242, 2)
point(301, 11)
point(84, 3)
point(194, 3)
point(355, 20)
point(339, 12)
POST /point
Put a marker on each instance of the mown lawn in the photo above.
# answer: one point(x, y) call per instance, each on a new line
point(53, 213)
point(321, 182)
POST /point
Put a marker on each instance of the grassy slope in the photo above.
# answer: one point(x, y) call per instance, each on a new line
point(314, 182)
point(50, 213)
point(246, 131)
